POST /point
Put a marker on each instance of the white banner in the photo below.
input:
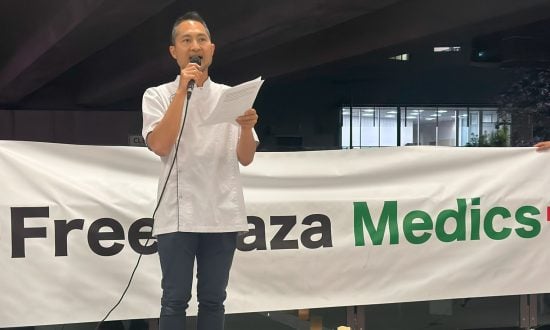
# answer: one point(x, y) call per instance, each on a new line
point(327, 228)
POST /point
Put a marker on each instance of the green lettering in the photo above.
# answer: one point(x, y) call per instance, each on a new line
point(528, 221)
point(488, 223)
point(409, 226)
point(475, 216)
point(388, 218)
point(459, 234)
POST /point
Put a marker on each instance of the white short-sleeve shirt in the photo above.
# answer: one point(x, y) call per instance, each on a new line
point(204, 191)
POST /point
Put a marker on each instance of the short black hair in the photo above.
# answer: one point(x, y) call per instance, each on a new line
point(189, 16)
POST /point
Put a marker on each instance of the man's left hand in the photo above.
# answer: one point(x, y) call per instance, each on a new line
point(248, 119)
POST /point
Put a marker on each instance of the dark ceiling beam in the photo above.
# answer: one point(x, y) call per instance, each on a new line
point(256, 39)
point(139, 56)
point(288, 20)
point(398, 24)
point(243, 28)
point(79, 29)
point(68, 15)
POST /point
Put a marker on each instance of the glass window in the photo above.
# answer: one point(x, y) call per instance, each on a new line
point(388, 126)
point(446, 126)
point(463, 127)
point(369, 127)
point(355, 127)
point(468, 127)
point(409, 126)
point(474, 124)
point(346, 127)
point(427, 130)
point(489, 119)
point(426, 125)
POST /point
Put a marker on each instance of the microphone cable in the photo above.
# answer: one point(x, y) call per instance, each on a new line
point(154, 212)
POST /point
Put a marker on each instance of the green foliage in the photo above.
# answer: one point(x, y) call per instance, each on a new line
point(530, 94)
point(528, 99)
point(498, 138)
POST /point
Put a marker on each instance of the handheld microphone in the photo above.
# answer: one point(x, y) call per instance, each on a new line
point(197, 60)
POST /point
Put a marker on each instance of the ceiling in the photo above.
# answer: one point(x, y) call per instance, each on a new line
point(102, 54)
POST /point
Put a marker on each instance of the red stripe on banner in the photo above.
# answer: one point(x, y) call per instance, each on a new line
point(548, 213)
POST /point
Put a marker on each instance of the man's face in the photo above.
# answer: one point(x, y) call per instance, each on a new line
point(192, 40)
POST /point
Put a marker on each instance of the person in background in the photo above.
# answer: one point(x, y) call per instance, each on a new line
point(543, 145)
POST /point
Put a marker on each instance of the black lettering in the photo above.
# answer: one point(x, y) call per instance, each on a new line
point(258, 232)
point(135, 235)
point(94, 236)
point(324, 230)
point(287, 223)
point(62, 229)
point(18, 230)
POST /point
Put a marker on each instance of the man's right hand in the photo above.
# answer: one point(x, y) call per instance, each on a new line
point(191, 72)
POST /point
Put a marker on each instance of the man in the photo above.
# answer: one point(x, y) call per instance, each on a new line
point(202, 208)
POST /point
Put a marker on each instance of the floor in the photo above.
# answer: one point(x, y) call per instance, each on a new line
point(496, 313)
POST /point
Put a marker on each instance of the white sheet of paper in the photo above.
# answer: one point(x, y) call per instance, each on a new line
point(234, 102)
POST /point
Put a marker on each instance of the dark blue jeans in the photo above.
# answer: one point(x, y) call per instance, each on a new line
point(214, 253)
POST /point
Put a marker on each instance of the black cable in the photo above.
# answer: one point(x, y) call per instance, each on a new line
point(154, 212)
